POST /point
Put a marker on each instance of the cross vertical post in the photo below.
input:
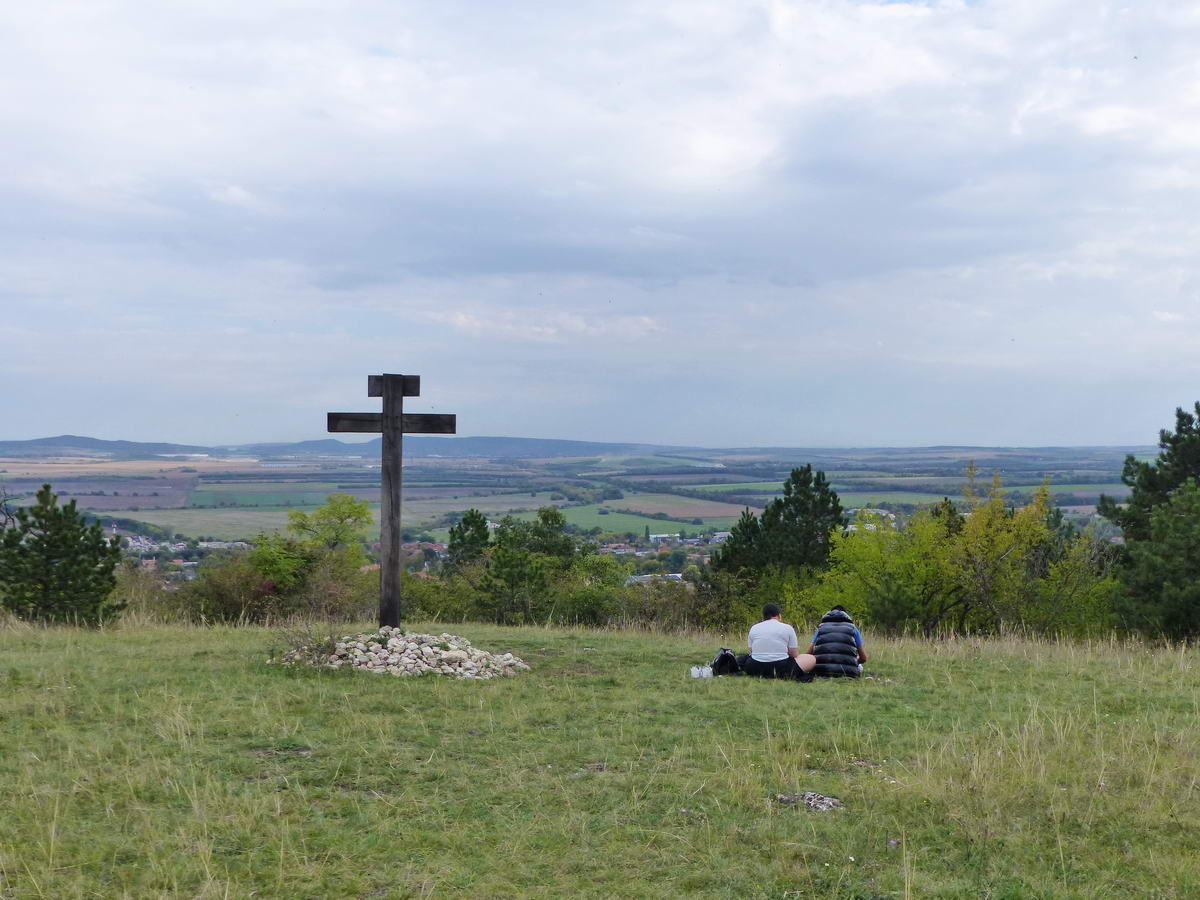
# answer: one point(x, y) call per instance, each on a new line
point(392, 423)
point(391, 497)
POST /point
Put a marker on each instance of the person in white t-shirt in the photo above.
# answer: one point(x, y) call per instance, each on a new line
point(775, 650)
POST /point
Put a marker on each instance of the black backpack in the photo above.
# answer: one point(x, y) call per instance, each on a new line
point(725, 663)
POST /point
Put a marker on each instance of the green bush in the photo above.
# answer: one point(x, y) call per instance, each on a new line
point(143, 596)
point(450, 598)
point(230, 589)
point(315, 571)
point(997, 568)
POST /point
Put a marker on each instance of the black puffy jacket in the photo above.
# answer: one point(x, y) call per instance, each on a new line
point(834, 646)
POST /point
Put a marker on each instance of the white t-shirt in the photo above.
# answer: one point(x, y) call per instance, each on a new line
point(770, 640)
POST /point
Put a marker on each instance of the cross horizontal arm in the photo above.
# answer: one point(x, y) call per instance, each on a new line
point(372, 423)
point(430, 423)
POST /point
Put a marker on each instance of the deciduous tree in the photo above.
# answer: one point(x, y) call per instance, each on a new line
point(994, 567)
point(337, 524)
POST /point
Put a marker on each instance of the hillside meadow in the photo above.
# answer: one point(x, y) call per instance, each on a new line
point(150, 761)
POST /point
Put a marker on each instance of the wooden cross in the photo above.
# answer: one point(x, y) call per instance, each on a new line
point(392, 423)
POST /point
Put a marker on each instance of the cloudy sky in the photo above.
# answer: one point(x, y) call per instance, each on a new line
point(821, 223)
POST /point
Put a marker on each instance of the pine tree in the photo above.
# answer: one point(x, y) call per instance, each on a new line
point(741, 551)
point(794, 530)
point(468, 539)
point(1153, 483)
point(514, 584)
point(1162, 579)
point(797, 526)
point(56, 568)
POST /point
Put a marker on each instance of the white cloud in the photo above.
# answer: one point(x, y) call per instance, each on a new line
point(217, 200)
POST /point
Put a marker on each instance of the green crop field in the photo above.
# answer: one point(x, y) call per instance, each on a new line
point(225, 524)
point(424, 510)
point(250, 487)
point(258, 498)
point(238, 523)
point(675, 506)
point(850, 499)
point(174, 762)
point(741, 487)
point(657, 461)
point(588, 517)
point(1111, 489)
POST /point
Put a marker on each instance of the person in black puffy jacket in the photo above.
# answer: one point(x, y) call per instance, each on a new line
point(838, 646)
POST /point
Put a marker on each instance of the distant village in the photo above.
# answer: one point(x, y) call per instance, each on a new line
point(179, 560)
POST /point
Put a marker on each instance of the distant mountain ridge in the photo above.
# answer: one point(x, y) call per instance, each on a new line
point(427, 446)
point(414, 445)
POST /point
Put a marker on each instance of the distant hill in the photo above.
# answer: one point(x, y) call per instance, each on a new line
point(415, 445)
point(457, 448)
point(77, 445)
point(515, 448)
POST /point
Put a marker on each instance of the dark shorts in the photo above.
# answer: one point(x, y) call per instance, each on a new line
point(784, 668)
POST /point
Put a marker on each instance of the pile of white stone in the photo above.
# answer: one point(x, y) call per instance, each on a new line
point(395, 652)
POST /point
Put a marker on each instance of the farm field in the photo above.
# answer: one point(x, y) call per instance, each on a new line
point(677, 507)
point(853, 499)
point(1111, 489)
point(740, 487)
point(588, 517)
point(952, 486)
point(653, 462)
point(243, 522)
point(268, 487)
point(221, 523)
point(258, 498)
point(236, 498)
point(698, 480)
point(55, 468)
point(950, 483)
point(420, 510)
point(981, 768)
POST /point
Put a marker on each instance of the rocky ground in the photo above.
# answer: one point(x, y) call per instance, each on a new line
point(395, 652)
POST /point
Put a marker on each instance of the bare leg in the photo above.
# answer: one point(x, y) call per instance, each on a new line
point(806, 661)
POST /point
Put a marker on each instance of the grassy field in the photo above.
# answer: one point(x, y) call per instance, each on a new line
point(268, 487)
point(155, 762)
point(740, 487)
point(589, 516)
point(678, 507)
point(953, 489)
point(1113, 490)
point(236, 523)
point(228, 498)
point(224, 524)
point(853, 499)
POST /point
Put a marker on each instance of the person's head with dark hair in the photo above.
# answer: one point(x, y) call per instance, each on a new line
point(771, 611)
point(840, 608)
point(837, 614)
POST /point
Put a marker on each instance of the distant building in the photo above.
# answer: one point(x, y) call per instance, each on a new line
point(883, 514)
point(651, 579)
